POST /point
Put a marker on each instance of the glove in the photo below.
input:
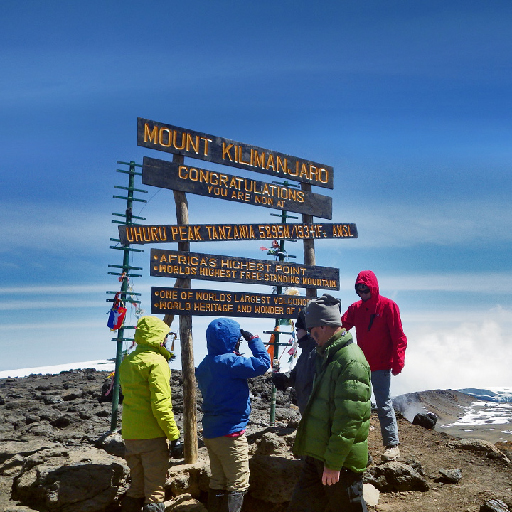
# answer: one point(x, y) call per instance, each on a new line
point(246, 334)
point(396, 370)
point(280, 381)
point(176, 450)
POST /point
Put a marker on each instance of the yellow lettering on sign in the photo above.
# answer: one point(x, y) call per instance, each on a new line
point(191, 143)
point(258, 160)
point(270, 162)
point(183, 140)
point(151, 136)
point(206, 145)
point(226, 151)
point(161, 137)
point(283, 164)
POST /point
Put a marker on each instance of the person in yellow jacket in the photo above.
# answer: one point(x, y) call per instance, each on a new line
point(148, 419)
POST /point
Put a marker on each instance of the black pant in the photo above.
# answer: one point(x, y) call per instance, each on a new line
point(310, 495)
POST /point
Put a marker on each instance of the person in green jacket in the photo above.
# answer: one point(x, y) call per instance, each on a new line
point(332, 436)
point(148, 419)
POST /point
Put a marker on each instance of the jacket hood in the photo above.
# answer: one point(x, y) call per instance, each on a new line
point(151, 331)
point(369, 279)
point(222, 336)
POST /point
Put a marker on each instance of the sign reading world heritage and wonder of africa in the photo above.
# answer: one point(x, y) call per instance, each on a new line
point(184, 301)
point(204, 182)
point(189, 143)
point(139, 234)
point(241, 270)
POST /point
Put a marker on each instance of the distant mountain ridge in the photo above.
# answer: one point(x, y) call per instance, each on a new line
point(462, 414)
point(490, 394)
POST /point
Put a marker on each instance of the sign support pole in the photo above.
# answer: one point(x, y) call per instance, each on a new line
point(309, 245)
point(124, 276)
point(190, 446)
point(279, 290)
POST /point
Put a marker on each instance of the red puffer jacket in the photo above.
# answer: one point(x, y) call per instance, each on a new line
point(378, 327)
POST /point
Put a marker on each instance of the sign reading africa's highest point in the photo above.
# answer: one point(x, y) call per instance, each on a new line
point(210, 267)
point(189, 143)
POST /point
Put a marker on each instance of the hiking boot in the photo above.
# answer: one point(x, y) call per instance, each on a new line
point(217, 501)
point(129, 504)
point(391, 453)
point(235, 500)
point(154, 507)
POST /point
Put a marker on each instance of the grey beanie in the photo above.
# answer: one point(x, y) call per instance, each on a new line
point(325, 310)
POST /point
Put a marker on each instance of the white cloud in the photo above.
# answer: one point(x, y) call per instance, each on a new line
point(458, 350)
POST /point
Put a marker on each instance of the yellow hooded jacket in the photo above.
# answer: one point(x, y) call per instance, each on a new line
point(144, 376)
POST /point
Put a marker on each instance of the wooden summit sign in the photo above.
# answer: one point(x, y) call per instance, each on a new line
point(164, 174)
point(189, 143)
point(138, 234)
point(193, 265)
point(184, 301)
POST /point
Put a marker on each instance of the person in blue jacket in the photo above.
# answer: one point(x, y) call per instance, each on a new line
point(222, 379)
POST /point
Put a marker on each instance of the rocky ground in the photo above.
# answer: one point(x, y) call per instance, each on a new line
point(63, 415)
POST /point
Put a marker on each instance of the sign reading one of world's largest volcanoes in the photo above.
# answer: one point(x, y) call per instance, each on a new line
point(184, 301)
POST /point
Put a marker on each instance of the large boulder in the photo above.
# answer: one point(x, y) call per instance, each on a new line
point(426, 420)
point(85, 480)
point(191, 479)
point(479, 446)
point(273, 478)
point(396, 476)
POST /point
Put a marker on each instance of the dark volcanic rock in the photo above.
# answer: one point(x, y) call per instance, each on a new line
point(427, 420)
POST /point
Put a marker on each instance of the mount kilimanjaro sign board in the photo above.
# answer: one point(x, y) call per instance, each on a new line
point(164, 174)
point(193, 265)
point(184, 301)
point(189, 143)
point(138, 234)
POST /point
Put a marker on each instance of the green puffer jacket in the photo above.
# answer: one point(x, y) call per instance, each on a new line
point(144, 376)
point(336, 421)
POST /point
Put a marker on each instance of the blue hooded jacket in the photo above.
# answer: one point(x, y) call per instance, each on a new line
point(222, 378)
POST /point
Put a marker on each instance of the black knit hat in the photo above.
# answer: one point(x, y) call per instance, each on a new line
point(325, 310)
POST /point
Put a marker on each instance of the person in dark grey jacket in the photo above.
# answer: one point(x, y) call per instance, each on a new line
point(302, 375)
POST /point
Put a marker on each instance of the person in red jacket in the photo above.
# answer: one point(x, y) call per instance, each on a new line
point(380, 335)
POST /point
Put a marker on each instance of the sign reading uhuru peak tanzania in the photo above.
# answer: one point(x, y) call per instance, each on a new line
point(241, 270)
point(163, 174)
point(139, 234)
point(176, 140)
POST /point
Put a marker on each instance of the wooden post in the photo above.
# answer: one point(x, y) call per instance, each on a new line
point(309, 245)
point(186, 344)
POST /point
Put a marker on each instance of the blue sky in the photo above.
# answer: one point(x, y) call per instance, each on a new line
point(410, 102)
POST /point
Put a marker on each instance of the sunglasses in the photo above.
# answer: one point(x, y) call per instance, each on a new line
point(362, 288)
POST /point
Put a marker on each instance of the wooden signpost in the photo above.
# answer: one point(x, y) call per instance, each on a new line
point(204, 182)
point(138, 234)
point(185, 265)
point(185, 142)
point(211, 267)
